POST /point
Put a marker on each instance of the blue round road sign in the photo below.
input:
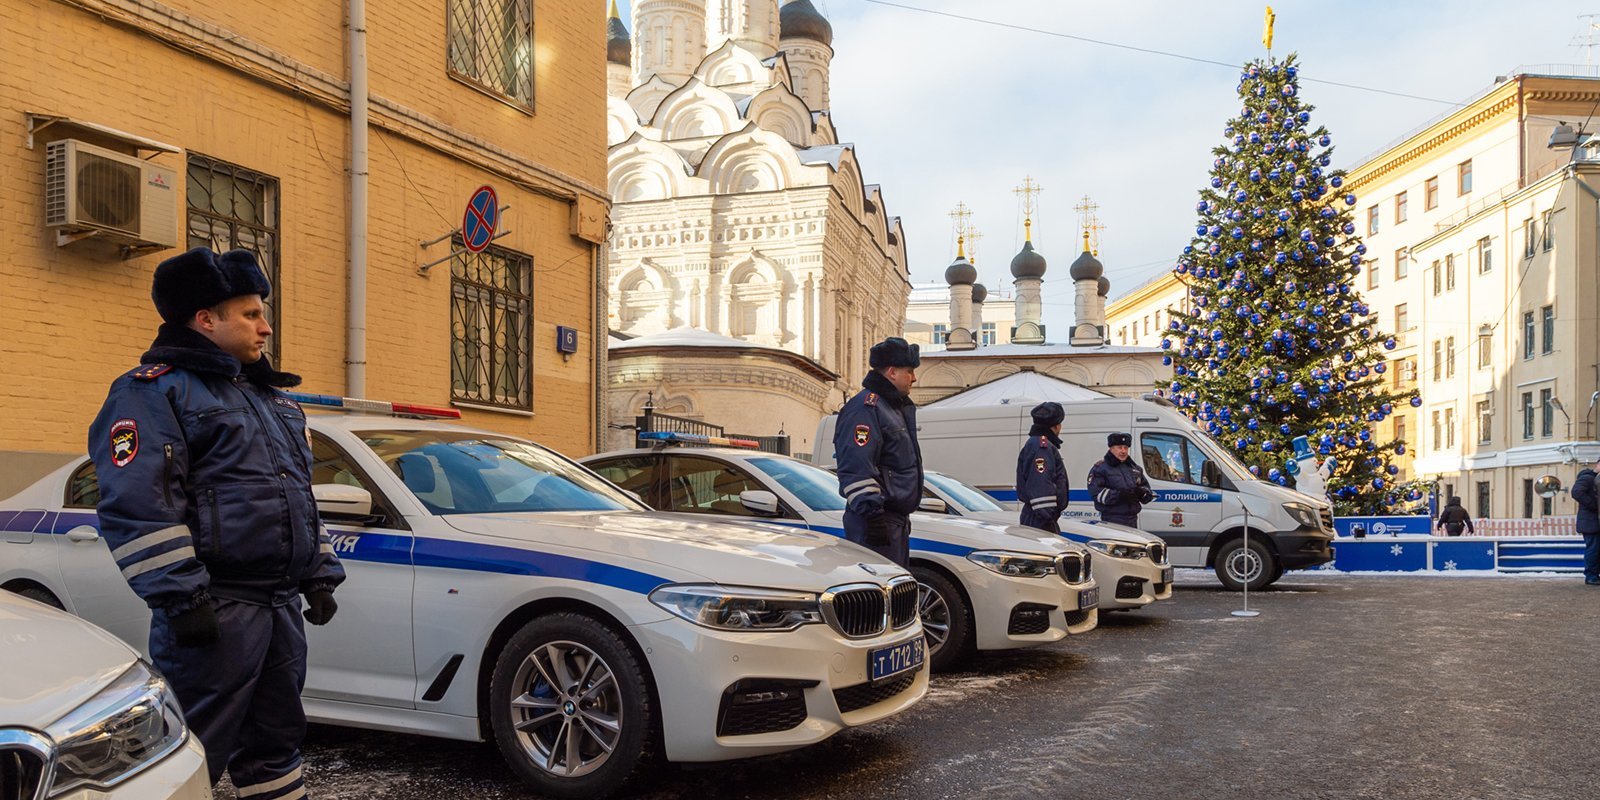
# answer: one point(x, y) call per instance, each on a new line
point(481, 219)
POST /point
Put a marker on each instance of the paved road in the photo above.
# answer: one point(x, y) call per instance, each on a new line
point(1345, 687)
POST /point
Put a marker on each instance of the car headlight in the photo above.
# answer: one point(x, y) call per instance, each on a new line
point(1014, 565)
point(1303, 514)
point(1116, 549)
point(739, 608)
point(129, 725)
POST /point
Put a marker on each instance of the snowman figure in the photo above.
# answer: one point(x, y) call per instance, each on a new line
point(1310, 474)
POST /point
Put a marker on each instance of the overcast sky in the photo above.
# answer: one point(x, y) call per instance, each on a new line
point(944, 110)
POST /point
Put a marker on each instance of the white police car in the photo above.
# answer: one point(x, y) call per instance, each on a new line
point(984, 586)
point(1133, 563)
point(496, 589)
point(82, 716)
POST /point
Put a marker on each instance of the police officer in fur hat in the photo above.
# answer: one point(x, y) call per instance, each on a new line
point(1118, 484)
point(1041, 474)
point(204, 467)
point(875, 448)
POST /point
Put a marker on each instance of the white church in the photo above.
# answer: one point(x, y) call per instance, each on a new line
point(750, 265)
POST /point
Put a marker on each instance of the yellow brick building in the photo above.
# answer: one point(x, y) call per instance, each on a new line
point(248, 107)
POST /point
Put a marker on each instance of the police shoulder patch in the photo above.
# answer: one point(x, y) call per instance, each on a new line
point(863, 435)
point(150, 372)
point(124, 442)
point(1038, 464)
point(872, 399)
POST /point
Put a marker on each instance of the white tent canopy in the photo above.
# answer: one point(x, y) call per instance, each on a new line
point(1022, 388)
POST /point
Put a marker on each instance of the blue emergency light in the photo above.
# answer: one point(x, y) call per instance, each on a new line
point(364, 406)
point(669, 437)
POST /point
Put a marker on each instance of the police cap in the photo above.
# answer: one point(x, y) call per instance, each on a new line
point(1124, 439)
point(894, 352)
point(1048, 414)
point(200, 279)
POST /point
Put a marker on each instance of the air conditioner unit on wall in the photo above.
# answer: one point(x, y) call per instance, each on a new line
point(92, 192)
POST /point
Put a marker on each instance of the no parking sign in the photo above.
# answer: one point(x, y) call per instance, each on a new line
point(480, 220)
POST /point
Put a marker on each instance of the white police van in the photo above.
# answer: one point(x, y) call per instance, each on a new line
point(1130, 563)
point(1205, 499)
point(498, 590)
point(984, 586)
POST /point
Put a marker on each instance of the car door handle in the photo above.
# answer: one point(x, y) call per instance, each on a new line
point(83, 533)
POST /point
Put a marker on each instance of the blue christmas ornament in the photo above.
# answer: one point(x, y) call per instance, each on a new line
point(1416, 402)
point(1349, 199)
point(1274, 473)
point(1297, 196)
point(1324, 140)
point(1216, 183)
point(1255, 175)
point(1242, 196)
point(1303, 117)
point(1255, 470)
point(1388, 344)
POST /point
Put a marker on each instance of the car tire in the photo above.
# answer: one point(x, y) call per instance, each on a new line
point(1235, 563)
point(586, 738)
point(41, 595)
point(946, 620)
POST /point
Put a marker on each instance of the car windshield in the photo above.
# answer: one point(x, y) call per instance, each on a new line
point(817, 489)
point(965, 496)
point(461, 472)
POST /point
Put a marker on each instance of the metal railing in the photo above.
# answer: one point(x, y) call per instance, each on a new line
point(652, 421)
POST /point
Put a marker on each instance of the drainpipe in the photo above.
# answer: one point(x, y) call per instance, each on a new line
point(355, 360)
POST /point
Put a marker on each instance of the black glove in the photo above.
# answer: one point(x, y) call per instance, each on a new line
point(877, 534)
point(320, 607)
point(196, 627)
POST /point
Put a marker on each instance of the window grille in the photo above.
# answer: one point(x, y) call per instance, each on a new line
point(491, 320)
point(233, 208)
point(491, 46)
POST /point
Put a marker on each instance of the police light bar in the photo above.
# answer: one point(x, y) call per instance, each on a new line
point(668, 437)
point(364, 406)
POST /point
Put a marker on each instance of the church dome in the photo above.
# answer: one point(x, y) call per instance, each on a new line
point(619, 48)
point(1105, 286)
point(960, 272)
point(1028, 263)
point(979, 293)
point(1087, 268)
point(799, 19)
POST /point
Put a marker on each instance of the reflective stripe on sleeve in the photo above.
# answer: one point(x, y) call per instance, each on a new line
point(158, 561)
point(873, 489)
point(150, 540)
point(857, 485)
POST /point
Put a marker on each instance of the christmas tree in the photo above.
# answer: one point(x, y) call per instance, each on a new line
point(1279, 343)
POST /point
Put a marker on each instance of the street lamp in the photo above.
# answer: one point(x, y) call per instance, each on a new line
point(1555, 403)
point(1564, 137)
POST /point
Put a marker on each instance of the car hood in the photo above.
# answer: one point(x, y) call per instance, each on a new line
point(1078, 530)
point(685, 547)
point(984, 535)
point(52, 662)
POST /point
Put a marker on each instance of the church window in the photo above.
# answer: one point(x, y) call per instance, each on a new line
point(491, 320)
point(988, 333)
point(491, 46)
point(940, 332)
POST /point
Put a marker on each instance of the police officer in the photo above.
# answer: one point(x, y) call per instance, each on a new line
point(875, 447)
point(205, 479)
point(1041, 474)
point(1118, 485)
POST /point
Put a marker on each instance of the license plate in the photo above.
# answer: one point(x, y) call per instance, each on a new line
point(1088, 598)
point(1166, 575)
point(887, 662)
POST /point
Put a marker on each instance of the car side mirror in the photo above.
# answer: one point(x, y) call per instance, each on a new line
point(337, 501)
point(759, 502)
point(933, 505)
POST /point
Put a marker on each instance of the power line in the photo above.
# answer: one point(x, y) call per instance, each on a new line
point(1146, 50)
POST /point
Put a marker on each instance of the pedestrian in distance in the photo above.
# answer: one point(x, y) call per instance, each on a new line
point(1041, 474)
point(1453, 518)
point(204, 467)
point(1587, 494)
point(1118, 485)
point(875, 448)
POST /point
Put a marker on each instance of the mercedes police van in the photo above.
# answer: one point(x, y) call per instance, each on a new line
point(1205, 499)
point(499, 591)
point(983, 586)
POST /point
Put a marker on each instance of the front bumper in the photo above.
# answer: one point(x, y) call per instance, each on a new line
point(180, 776)
point(996, 600)
point(1303, 547)
point(1130, 583)
point(694, 666)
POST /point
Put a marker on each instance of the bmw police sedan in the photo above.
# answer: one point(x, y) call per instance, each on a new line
point(498, 590)
point(1131, 561)
point(984, 586)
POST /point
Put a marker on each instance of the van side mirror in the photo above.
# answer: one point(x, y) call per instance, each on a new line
point(761, 503)
point(933, 505)
point(1211, 475)
point(337, 501)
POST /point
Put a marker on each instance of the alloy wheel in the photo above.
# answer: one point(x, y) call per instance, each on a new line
point(568, 713)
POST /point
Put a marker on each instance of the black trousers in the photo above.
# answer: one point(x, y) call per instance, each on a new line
point(241, 696)
point(887, 534)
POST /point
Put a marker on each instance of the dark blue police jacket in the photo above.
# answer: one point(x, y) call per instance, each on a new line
point(1042, 475)
point(875, 447)
point(205, 480)
point(1119, 489)
point(1584, 491)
